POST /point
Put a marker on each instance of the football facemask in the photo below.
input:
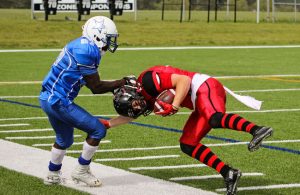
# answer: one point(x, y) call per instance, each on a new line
point(129, 103)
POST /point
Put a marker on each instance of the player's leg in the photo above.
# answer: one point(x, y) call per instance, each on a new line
point(236, 122)
point(195, 129)
point(64, 139)
point(206, 106)
point(215, 102)
point(95, 132)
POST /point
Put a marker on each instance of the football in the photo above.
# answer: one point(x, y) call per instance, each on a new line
point(165, 96)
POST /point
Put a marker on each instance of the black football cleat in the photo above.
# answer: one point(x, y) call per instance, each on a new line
point(231, 181)
point(259, 135)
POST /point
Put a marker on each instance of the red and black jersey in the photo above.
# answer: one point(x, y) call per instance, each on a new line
point(157, 79)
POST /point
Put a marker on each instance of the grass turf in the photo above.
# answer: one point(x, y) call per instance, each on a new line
point(279, 167)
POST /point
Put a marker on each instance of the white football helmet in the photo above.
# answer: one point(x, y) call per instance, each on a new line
point(102, 31)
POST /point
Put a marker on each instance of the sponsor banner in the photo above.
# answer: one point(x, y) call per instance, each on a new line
point(71, 6)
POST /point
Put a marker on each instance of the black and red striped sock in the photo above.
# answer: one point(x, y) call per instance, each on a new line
point(236, 122)
point(206, 156)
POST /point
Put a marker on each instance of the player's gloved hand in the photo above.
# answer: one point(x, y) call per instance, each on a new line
point(130, 80)
point(117, 90)
point(168, 109)
point(105, 123)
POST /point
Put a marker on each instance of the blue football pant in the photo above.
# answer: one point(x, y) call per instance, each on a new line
point(65, 118)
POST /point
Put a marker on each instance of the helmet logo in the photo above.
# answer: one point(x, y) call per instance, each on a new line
point(99, 25)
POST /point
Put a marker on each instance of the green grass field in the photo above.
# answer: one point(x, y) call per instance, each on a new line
point(278, 167)
point(278, 162)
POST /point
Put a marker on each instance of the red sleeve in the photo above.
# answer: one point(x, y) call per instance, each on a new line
point(165, 81)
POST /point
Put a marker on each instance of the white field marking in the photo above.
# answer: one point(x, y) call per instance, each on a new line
point(242, 143)
point(265, 90)
point(35, 137)
point(257, 76)
point(126, 149)
point(175, 147)
point(252, 111)
point(279, 186)
point(115, 181)
point(20, 82)
point(75, 143)
point(137, 158)
point(210, 145)
point(217, 77)
point(108, 94)
point(181, 113)
point(35, 96)
point(14, 125)
point(209, 177)
point(26, 130)
point(166, 167)
point(26, 118)
point(163, 48)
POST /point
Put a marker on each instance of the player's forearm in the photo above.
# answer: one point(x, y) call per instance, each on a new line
point(107, 86)
point(182, 85)
point(120, 120)
point(97, 86)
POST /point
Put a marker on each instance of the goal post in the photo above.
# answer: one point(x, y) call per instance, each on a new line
point(258, 8)
point(288, 6)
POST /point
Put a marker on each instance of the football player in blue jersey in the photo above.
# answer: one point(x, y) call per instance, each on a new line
point(75, 67)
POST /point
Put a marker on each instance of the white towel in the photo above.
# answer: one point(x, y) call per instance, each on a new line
point(247, 100)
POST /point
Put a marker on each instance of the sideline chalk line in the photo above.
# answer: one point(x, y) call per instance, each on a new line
point(115, 181)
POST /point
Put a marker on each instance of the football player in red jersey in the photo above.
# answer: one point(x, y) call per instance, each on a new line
point(199, 92)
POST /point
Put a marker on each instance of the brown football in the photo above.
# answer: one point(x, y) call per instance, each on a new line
point(166, 96)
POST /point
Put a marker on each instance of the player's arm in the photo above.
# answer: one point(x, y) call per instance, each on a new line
point(120, 120)
point(181, 83)
point(98, 86)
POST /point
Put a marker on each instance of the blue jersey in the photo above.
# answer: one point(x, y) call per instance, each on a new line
point(78, 58)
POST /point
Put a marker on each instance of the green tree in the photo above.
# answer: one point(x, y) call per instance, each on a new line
point(15, 4)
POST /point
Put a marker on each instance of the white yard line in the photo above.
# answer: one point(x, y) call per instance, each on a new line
point(74, 143)
point(279, 186)
point(25, 118)
point(115, 181)
point(26, 130)
point(109, 94)
point(163, 48)
point(252, 111)
point(181, 113)
point(166, 167)
point(209, 177)
point(217, 77)
point(266, 90)
point(136, 158)
point(14, 125)
point(242, 143)
point(177, 146)
point(257, 76)
point(35, 137)
point(126, 149)
point(35, 96)
point(19, 82)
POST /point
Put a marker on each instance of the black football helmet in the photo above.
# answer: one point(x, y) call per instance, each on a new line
point(123, 102)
